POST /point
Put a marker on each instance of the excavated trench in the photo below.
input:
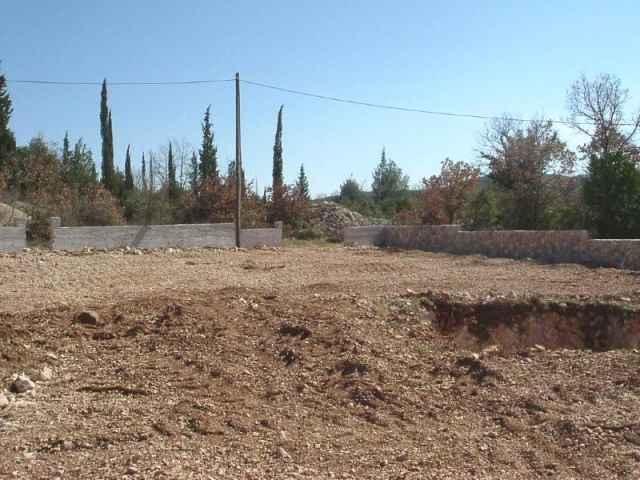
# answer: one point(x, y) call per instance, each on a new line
point(514, 325)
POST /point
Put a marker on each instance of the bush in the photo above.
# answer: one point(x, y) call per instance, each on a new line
point(482, 211)
point(612, 195)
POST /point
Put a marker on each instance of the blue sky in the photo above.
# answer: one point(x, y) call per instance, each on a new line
point(463, 56)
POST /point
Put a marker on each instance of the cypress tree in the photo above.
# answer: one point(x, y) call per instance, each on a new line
point(7, 140)
point(151, 185)
point(193, 173)
point(171, 168)
point(128, 173)
point(106, 133)
point(278, 179)
point(66, 157)
point(302, 185)
point(208, 152)
point(144, 173)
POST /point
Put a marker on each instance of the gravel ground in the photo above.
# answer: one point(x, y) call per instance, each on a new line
point(45, 280)
point(304, 362)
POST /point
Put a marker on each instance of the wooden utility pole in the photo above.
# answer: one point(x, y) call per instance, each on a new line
point(238, 164)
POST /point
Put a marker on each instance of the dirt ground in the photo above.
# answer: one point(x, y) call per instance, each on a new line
point(305, 362)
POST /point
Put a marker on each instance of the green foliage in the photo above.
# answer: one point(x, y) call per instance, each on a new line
point(481, 213)
point(612, 195)
point(143, 174)
point(278, 175)
point(106, 133)
point(302, 186)
point(390, 186)
point(193, 173)
point(128, 172)
point(172, 184)
point(208, 168)
point(350, 191)
point(7, 139)
point(521, 160)
point(82, 174)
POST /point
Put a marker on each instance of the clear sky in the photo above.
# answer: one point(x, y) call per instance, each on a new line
point(486, 57)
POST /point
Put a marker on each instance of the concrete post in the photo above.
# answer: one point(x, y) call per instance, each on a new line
point(54, 222)
point(279, 225)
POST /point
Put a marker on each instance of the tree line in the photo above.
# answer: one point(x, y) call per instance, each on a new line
point(526, 176)
point(177, 184)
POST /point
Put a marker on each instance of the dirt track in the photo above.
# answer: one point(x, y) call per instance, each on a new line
point(302, 363)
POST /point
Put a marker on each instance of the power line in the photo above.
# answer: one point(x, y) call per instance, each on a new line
point(187, 82)
point(476, 116)
point(409, 109)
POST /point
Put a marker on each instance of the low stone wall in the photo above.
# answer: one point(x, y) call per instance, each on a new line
point(261, 237)
point(367, 235)
point(12, 239)
point(614, 253)
point(557, 246)
point(220, 235)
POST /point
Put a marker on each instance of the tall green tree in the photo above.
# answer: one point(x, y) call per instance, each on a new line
point(66, 157)
point(83, 169)
point(144, 174)
point(302, 186)
point(7, 139)
point(278, 174)
point(106, 132)
point(128, 172)
point(208, 151)
point(172, 184)
point(151, 174)
point(278, 207)
point(522, 161)
point(193, 173)
point(390, 185)
point(612, 194)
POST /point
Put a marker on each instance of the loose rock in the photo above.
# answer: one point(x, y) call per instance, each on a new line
point(88, 317)
point(46, 374)
point(22, 384)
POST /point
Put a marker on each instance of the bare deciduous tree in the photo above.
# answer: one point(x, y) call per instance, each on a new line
point(597, 110)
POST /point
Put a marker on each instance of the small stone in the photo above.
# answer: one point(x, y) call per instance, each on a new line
point(4, 401)
point(403, 457)
point(22, 384)
point(46, 374)
point(88, 317)
point(282, 453)
point(132, 470)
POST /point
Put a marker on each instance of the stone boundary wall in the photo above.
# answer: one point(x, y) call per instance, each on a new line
point(214, 235)
point(261, 237)
point(554, 246)
point(366, 235)
point(12, 239)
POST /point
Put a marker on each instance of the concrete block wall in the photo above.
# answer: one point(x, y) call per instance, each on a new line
point(614, 253)
point(572, 246)
point(261, 237)
point(13, 239)
point(218, 235)
point(366, 235)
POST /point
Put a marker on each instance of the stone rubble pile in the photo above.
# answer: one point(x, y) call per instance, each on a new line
point(331, 218)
